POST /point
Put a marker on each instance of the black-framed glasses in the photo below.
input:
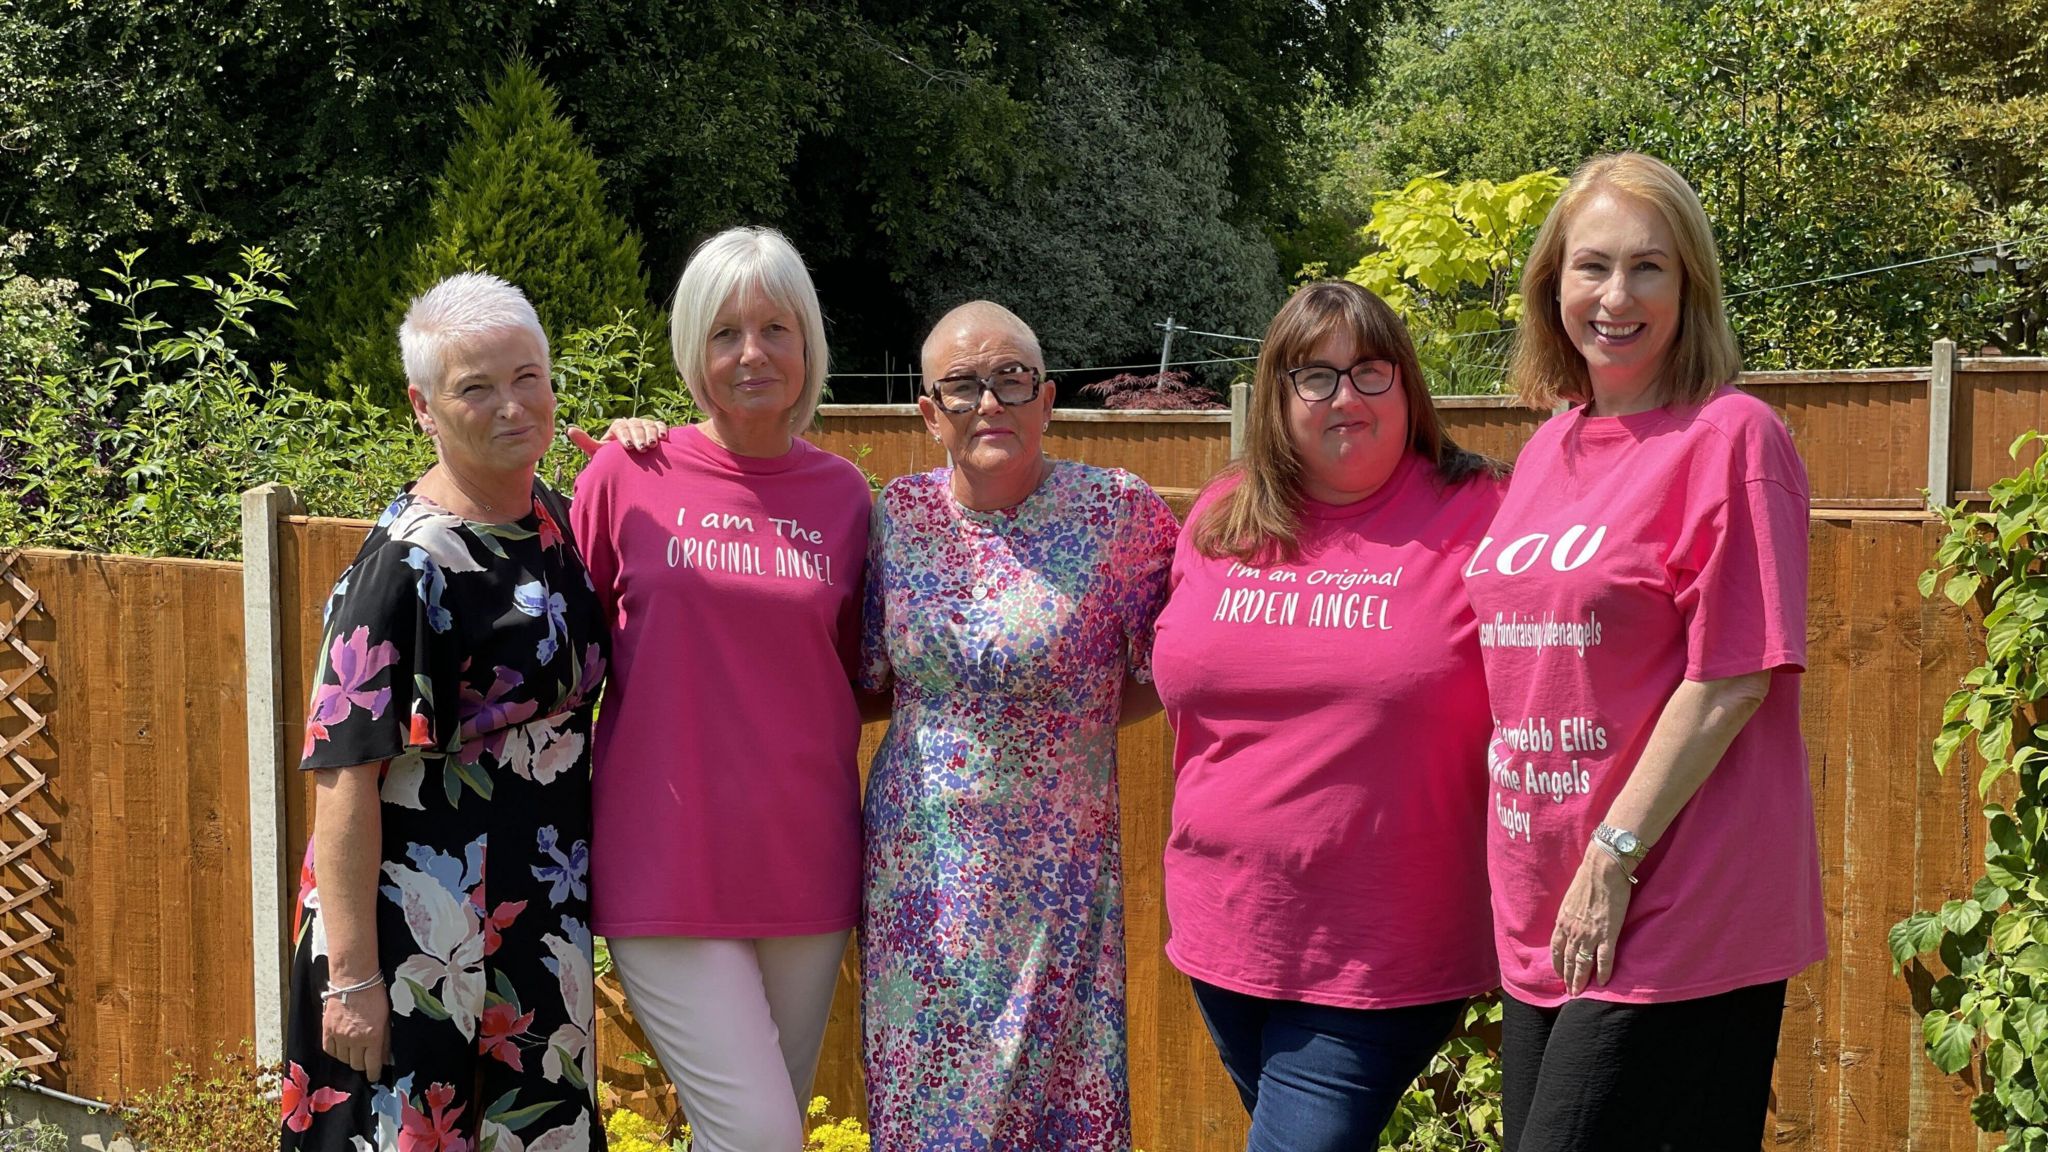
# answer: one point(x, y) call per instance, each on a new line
point(1012, 385)
point(1317, 382)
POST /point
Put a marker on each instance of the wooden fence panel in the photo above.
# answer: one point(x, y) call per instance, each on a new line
point(1995, 400)
point(148, 811)
point(1166, 449)
point(1894, 837)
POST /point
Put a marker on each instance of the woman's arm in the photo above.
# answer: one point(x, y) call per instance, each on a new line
point(1692, 734)
point(347, 856)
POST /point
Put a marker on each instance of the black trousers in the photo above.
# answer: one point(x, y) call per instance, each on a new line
point(1687, 1076)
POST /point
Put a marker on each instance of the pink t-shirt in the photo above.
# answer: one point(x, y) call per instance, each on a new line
point(1327, 842)
point(1633, 552)
point(725, 787)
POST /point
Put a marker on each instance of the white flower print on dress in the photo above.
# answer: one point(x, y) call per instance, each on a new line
point(570, 1052)
point(446, 977)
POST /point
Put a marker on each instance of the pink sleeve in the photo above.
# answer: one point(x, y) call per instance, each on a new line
point(871, 674)
point(1739, 571)
point(1143, 556)
point(590, 520)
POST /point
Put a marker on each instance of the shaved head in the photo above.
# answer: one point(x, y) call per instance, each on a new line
point(974, 327)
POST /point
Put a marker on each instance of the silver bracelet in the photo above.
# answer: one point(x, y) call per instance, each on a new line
point(342, 994)
point(1627, 864)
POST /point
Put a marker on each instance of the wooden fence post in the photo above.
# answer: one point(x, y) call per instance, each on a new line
point(263, 661)
point(1240, 410)
point(1940, 415)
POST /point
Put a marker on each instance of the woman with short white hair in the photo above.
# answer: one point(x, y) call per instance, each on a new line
point(728, 559)
point(441, 977)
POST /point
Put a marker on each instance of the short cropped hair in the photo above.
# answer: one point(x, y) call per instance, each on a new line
point(454, 312)
point(1547, 367)
point(978, 316)
point(1258, 520)
point(735, 261)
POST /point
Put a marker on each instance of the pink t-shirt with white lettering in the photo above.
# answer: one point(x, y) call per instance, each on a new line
point(1328, 831)
point(725, 786)
point(1633, 552)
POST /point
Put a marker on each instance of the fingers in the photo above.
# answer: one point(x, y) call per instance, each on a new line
point(362, 1044)
point(637, 433)
point(582, 441)
point(1581, 955)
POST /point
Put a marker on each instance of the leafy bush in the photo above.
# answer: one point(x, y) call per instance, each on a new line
point(520, 197)
point(150, 451)
point(1991, 1008)
point(1448, 258)
point(1454, 1105)
point(235, 1109)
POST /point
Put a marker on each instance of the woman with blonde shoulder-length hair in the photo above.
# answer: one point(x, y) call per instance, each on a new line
point(728, 558)
point(1325, 873)
point(1642, 598)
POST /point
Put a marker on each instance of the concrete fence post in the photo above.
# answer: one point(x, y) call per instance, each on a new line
point(263, 660)
point(1240, 411)
point(1940, 419)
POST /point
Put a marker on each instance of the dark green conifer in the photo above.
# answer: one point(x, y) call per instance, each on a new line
point(519, 197)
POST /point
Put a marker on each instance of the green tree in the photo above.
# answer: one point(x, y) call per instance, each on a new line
point(1448, 257)
point(1774, 119)
point(1121, 219)
point(520, 197)
point(1969, 101)
point(1474, 89)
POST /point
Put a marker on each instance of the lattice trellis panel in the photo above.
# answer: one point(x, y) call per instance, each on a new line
point(27, 1025)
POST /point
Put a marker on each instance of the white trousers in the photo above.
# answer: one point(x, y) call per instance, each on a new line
point(736, 1025)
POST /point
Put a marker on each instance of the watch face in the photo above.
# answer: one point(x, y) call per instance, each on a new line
point(1626, 843)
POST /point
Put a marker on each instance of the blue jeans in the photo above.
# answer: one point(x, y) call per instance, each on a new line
point(1316, 1078)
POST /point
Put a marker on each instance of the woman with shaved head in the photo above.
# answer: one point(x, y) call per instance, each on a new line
point(1010, 600)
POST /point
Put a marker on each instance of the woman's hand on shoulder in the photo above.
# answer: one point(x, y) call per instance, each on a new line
point(637, 433)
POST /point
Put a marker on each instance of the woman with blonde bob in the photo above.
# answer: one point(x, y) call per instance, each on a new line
point(1320, 664)
point(1642, 598)
point(728, 559)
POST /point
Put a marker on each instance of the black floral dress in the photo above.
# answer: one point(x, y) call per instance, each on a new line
point(464, 657)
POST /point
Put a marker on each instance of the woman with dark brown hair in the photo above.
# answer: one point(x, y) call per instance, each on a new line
point(1325, 869)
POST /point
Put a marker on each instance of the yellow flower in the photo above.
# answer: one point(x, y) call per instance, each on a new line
point(829, 1135)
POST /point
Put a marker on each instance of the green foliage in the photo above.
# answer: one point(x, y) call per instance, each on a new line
point(1991, 1006)
point(232, 1109)
point(1121, 221)
point(1455, 1105)
point(1969, 100)
point(18, 1135)
point(1827, 138)
point(1448, 258)
point(520, 197)
point(1474, 89)
point(1772, 118)
point(148, 451)
point(42, 324)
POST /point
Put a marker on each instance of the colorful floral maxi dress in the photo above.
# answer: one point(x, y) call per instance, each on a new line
point(992, 945)
point(464, 657)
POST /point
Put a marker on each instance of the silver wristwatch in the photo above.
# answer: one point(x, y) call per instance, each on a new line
point(1621, 843)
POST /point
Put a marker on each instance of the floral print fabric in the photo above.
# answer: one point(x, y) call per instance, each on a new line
point(992, 945)
point(463, 657)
